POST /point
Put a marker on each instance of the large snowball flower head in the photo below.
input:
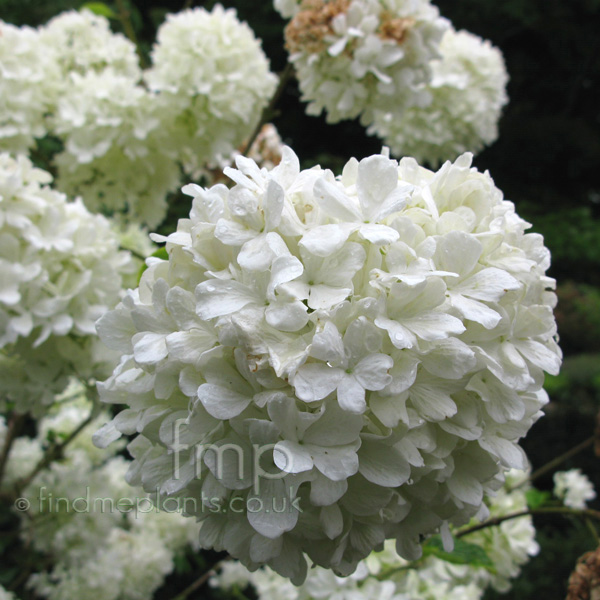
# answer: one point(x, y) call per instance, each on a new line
point(60, 266)
point(25, 68)
point(325, 362)
point(81, 41)
point(213, 81)
point(111, 128)
point(466, 95)
point(354, 56)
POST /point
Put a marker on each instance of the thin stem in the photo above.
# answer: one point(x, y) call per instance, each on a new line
point(14, 426)
point(199, 582)
point(54, 452)
point(555, 462)
point(135, 253)
point(593, 531)
point(125, 18)
point(267, 113)
point(561, 510)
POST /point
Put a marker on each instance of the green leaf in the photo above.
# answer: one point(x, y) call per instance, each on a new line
point(536, 498)
point(464, 553)
point(100, 9)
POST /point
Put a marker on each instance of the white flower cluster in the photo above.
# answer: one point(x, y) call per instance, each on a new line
point(573, 488)
point(85, 515)
point(212, 80)
point(466, 95)
point(356, 56)
point(109, 124)
point(386, 576)
point(81, 41)
point(25, 67)
point(126, 132)
point(60, 269)
point(374, 344)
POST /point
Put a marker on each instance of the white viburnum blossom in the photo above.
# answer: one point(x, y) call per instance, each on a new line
point(353, 57)
point(60, 270)
point(81, 41)
point(114, 155)
point(364, 351)
point(107, 539)
point(212, 80)
point(465, 98)
point(573, 488)
point(26, 70)
point(386, 576)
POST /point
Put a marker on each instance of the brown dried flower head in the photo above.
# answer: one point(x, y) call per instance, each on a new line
point(395, 28)
point(307, 30)
point(584, 582)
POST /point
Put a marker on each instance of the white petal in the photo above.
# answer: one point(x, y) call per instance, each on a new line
point(287, 316)
point(218, 297)
point(326, 239)
point(335, 202)
point(434, 326)
point(377, 178)
point(274, 514)
point(372, 371)
point(336, 463)
point(220, 402)
point(231, 233)
point(432, 403)
point(273, 205)
point(328, 346)
point(331, 520)
point(256, 254)
point(383, 465)
point(400, 336)
point(378, 234)
point(149, 348)
point(315, 381)
point(539, 355)
point(291, 457)
point(106, 435)
point(488, 284)
point(351, 395)
point(475, 311)
point(325, 297)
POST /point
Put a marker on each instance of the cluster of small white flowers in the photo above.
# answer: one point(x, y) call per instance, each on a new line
point(60, 269)
point(466, 95)
point(25, 67)
point(356, 56)
point(212, 80)
point(109, 124)
point(104, 547)
point(79, 81)
point(573, 488)
point(381, 337)
point(81, 41)
point(386, 576)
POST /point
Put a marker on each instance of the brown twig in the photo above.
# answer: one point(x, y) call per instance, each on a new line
point(555, 462)
point(54, 452)
point(200, 581)
point(561, 510)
